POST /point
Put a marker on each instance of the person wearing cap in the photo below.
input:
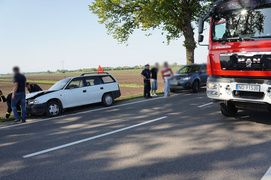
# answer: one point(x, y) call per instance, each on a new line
point(33, 88)
point(146, 74)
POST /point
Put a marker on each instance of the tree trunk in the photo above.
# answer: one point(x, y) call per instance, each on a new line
point(189, 43)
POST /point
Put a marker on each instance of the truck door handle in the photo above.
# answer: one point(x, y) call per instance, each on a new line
point(101, 88)
point(84, 91)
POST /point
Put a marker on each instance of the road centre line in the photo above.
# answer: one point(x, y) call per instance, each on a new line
point(267, 175)
point(206, 105)
point(92, 138)
point(83, 112)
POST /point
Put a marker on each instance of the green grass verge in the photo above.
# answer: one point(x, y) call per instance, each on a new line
point(135, 96)
point(33, 81)
point(131, 85)
point(9, 119)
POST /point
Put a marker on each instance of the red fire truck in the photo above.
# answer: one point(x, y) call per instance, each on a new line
point(239, 60)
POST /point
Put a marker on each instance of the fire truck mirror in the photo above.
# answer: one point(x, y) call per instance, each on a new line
point(200, 38)
point(201, 26)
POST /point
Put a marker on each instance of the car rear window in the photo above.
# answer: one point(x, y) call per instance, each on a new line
point(91, 81)
point(107, 79)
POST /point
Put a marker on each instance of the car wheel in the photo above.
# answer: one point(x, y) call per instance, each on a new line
point(228, 109)
point(195, 86)
point(172, 90)
point(53, 108)
point(108, 99)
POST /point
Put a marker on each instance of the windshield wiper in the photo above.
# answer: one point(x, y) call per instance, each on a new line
point(240, 39)
point(261, 37)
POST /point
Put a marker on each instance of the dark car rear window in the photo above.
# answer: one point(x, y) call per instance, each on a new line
point(107, 79)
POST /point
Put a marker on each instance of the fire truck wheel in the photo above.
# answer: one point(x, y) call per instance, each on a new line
point(228, 109)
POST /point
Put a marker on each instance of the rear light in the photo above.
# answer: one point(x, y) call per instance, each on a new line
point(119, 86)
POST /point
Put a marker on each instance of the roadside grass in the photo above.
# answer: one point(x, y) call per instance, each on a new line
point(8, 119)
point(34, 81)
point(129, 97)
point(131, 85)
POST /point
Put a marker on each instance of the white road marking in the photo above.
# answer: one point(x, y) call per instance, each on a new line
point(206, 105)
point(267, 175)
point(92, 138)
point(84, 112)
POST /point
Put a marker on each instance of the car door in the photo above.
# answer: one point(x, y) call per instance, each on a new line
point(110, 84)
point(75, 94)
point(95, 88)
point(203, 75)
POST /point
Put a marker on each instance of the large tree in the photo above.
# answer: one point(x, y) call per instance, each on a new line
point(174, 17)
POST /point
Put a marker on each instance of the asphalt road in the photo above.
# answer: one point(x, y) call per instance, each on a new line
point(181, 137)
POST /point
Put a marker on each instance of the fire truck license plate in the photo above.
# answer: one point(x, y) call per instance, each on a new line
point(246, 87)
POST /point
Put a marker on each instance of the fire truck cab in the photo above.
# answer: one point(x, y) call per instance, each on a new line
point(239, 59)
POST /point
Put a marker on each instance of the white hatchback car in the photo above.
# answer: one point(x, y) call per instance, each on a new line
point(72, 92)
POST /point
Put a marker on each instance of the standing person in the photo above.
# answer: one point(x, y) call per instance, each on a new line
point(154, 86)
point(18, 95)
point(167, 74)
point(33, 87)
point(146, 74)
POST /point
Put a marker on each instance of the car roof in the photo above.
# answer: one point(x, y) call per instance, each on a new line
point(91, 75)
point(196, 64)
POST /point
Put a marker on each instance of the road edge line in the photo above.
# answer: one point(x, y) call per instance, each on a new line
point(267, 175)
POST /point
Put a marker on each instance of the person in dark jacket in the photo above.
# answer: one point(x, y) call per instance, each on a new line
point(146, 74)
point(9, 110)
point(33, 88)
point(8, 101)
point(2, 97)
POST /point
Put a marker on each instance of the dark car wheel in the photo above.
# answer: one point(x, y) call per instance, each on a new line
point(195, 87)
point(53, 108)
point(228, 109)
point(108, 99)
point(172, 90)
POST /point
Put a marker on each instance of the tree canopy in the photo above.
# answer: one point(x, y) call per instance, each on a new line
point(173, 17)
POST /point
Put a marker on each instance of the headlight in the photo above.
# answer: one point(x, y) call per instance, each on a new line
point(33, 101)
point(212, 85)
point(213, 89)
point(185, 78)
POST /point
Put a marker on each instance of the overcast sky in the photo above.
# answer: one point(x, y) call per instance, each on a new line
point(37, 35)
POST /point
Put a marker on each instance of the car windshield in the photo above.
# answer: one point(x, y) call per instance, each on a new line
point(188, 70)
point(244, 24)
point(59, 85)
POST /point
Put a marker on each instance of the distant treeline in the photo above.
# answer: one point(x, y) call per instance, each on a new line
point(88, 70)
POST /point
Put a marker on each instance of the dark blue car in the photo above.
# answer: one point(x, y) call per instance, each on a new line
point(191, 76)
